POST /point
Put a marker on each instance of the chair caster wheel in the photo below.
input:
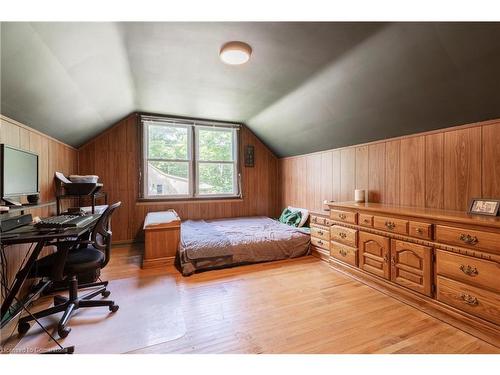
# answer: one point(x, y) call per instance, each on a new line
point(63, 332)
point(106, 293)
point(114, 308)
point(23, 327)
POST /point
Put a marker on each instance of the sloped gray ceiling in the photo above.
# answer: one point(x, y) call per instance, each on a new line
point(69, 80)
point(307, 87)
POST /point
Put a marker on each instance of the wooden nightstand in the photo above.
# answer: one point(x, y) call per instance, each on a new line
point(162, 232)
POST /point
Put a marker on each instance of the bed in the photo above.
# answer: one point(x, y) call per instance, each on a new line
point(211, 244)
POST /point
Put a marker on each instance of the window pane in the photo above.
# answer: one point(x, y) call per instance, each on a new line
point(215, 145)
point(168, 142)
point(216, 178)
point(168, 178)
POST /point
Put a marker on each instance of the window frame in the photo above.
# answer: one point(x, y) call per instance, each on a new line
point(147, 159)
point(193, 161)
point(198, 161)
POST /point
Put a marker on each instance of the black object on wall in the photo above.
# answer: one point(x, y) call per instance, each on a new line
point(249, 156)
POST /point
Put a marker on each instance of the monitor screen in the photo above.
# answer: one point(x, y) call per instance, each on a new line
point(19, 171)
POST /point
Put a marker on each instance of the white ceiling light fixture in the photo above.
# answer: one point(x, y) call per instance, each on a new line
point(235, 53)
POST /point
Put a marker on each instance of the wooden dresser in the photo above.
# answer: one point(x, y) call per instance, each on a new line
point(445, 263)
point(320, 223)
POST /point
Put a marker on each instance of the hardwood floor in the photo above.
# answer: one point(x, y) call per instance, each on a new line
point(294, 306)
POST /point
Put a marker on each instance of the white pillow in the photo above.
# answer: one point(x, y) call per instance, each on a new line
point(303, 211)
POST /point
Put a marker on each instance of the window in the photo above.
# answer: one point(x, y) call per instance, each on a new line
point(189, 159)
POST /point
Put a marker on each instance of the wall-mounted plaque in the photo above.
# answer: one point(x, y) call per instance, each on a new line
point(249, 156)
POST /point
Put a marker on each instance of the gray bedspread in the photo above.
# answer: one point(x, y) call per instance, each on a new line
point(208, 244)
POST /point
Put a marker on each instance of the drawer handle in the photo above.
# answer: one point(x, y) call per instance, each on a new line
point(468, 270)
point(342, 216)
point(390, 225)
point(343, 235)
point(419, 230)
point(320, 242)
point(343, 252)
point(320, 232)
point(315, 220)
point(469, 300)
point(386, 258)
point(468, 239)
point(367, 221)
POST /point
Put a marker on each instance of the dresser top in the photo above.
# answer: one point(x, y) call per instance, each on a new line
point(425, 213)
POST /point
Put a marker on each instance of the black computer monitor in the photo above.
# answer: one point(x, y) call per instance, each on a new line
point(18, 172)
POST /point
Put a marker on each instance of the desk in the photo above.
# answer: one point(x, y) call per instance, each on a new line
point(65, 240)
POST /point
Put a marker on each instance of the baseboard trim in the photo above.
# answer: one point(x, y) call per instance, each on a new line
point(157, 262)
point(322, 254)
point(126, 242)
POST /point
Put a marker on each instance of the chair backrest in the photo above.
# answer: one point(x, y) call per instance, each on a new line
point(101, 234)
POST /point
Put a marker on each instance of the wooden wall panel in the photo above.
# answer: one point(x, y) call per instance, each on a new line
point(438, 169)
point(313, 182)
point(294, 182)
point(412, 172)
point(282, 176)
point(336, 175)
point(53, 155)
point(491, 160)
point(376, 173)
point(113, 156)
point(10, 133)
point(326, 177)
point(347, 174)
point(392, 185)
point(434, 170)
point(24, 139)
point(462, 167)
point(362, 168)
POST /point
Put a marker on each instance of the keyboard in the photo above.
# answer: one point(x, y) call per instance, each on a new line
point(66, 221)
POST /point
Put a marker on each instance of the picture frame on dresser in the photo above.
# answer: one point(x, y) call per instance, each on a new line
point(484, 206)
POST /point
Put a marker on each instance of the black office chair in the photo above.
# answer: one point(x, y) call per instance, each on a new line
point(79, 260)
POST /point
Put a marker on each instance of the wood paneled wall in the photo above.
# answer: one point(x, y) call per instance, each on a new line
point(53, 156)
point(438, 169)
point(113, 156)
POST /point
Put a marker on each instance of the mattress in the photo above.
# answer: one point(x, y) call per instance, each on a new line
point(210, 244)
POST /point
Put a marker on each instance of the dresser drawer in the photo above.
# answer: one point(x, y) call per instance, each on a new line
point(343, 235)
point(317, 220)
point(478, 272)
point(420, 230)
point(473, 239)
point(345, 216)
point(473, 300)
point(365, 220)
point(344, 253)
point(390, 224)
point(320, 232)
point(318, 242)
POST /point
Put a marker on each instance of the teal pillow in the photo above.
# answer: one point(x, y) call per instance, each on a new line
point(289, 217)
point(284, 214)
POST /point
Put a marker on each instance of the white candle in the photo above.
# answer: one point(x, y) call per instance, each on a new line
point(359, 195)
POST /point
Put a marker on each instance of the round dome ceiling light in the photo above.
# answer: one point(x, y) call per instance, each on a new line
point(235, 53)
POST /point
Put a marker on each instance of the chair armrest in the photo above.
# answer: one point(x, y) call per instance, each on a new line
point(86, 242)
